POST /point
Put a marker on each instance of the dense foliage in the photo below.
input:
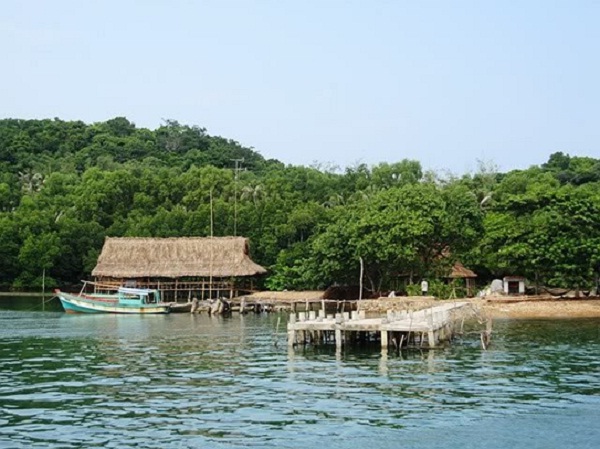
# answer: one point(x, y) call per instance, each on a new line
point(65, 186)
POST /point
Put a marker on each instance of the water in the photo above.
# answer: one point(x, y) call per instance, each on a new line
point(181, 381)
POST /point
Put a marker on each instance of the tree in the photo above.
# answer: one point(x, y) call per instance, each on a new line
point(403, 230)
point(38, 254)
point(387, 175)
point(540, 229)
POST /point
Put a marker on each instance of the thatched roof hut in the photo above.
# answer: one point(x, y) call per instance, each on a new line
point(135, 257)
point(459, 271)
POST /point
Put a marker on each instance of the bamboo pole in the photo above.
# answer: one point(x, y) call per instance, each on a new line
point(43, 289)
point(360, 281)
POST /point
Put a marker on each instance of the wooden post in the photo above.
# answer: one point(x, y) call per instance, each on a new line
point(384, 339)
point(338, 337)
point(486, 336)
point(44, 289)
point(484, 341)
point(431, 339)
point(194, 306)
point(360, 281)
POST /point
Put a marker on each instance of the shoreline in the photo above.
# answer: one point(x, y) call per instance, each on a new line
point(527, 307)
point(543, 308)
point(498, 307)
point(24, 294)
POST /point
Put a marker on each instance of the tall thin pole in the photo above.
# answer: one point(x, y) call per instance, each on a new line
point(44, 289)
point(360, 281)
point(210, 278)
point(236, 171)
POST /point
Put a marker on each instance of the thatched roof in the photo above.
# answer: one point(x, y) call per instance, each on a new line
point(460, 271)
point(175, 257)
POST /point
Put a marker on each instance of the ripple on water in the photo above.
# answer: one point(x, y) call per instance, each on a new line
point(184, 381)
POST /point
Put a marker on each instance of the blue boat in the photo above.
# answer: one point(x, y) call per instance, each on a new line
point(125, 300)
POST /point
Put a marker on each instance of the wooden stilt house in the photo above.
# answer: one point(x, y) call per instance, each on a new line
point(181, 268)
point(459, 271)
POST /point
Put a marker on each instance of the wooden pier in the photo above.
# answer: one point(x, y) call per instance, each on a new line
point(425, 328)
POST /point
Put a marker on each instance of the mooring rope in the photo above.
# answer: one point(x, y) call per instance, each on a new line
point(37, 306)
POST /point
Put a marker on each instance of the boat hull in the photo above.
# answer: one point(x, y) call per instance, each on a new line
point(78, 304)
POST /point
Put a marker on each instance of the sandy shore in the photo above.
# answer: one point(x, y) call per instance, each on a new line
point(499, 307)
point(561, 308)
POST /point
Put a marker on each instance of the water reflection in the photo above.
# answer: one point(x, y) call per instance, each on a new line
point(30, 303)
point(196, 381)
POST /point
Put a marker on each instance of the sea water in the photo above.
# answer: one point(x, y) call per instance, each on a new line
point(194, 381)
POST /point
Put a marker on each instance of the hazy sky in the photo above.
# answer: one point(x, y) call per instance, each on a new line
point(443, 82)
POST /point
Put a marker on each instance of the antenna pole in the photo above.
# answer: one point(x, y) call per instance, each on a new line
point(236, 170)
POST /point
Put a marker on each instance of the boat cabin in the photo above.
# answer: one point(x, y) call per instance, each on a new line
point(137, 296)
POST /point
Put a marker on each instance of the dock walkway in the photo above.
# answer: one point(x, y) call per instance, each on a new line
point(428, 327)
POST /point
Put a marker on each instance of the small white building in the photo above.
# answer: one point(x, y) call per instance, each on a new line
point(514, 285)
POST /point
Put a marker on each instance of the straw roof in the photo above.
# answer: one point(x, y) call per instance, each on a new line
point(134, 257)
point(460, 271)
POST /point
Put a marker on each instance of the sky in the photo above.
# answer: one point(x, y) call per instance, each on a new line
point(447, 83)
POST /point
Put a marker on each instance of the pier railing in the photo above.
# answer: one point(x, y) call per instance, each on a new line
point(426, 327)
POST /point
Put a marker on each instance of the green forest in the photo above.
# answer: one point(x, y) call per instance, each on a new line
point(66, 185)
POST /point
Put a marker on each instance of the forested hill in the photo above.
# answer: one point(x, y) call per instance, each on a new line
point(65, 186)
point(56, 145)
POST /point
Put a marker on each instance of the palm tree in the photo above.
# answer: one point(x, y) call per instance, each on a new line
point(31, 181)
point(255, 193)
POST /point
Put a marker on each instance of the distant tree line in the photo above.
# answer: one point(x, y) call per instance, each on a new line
point(65, 186)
